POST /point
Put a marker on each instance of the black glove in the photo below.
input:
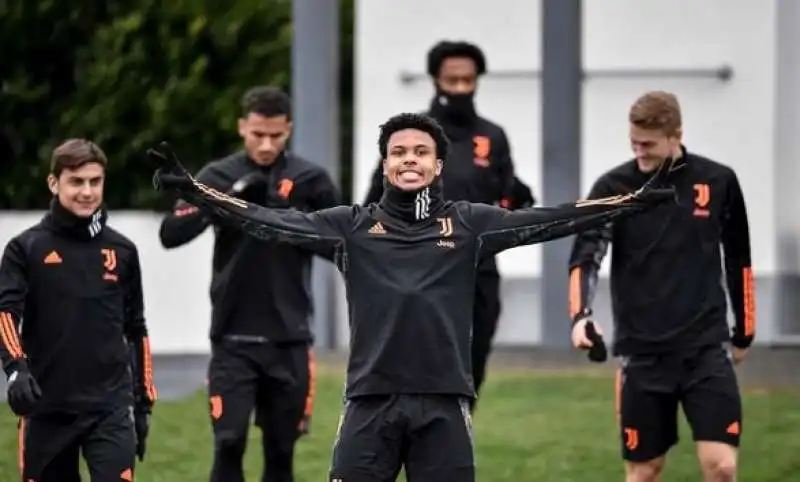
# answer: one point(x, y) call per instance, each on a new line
point(598, 352)
point(141, 420)
point(23, 391)
point(252, 187)
point(170, 174)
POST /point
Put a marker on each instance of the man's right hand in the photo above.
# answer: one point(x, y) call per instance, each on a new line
point(23, 392)
point(587, 335)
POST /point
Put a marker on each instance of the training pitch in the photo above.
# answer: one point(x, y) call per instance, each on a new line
point(528, 427)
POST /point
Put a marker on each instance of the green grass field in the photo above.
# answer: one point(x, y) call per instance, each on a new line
point(528, 428)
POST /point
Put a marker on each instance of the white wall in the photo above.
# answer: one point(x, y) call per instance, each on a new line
point(175, 282)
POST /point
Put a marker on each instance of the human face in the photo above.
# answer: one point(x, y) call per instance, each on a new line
point(79, 190)
point(652, 146)
point(264, 137)
point(411, 161)
point(458, 75)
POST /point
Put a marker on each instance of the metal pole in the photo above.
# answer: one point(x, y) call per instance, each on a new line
point(315, 101)
point(561, 149)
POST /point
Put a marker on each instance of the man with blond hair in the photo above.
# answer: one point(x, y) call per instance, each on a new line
point(670, 321)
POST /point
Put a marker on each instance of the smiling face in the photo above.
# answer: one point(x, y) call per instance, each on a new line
point(79, 190)
point(411, 161)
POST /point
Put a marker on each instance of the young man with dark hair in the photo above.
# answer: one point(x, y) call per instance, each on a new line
point(671, 320)
point(409, 263)
point(261, 338)
point(479, 169)
point(74, 340)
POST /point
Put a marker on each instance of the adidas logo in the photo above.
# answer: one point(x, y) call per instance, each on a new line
point(52, 258)
point(377, 228)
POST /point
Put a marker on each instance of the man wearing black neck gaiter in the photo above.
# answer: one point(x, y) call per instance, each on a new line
point(478, 169)
point(81, 365)
point(409, 263)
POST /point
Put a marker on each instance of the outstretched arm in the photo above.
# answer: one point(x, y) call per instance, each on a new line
point(323, 229)
point(738, 269)
point(499, 229)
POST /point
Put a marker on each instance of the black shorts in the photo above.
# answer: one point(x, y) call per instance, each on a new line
point(429, 435)
point(274, 380)
point(650, 388)
point(50, 446)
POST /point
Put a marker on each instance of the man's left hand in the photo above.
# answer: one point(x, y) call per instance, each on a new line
point(738, 354)
point(141, 419)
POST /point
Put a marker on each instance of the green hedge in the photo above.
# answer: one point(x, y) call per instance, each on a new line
point(129, 73)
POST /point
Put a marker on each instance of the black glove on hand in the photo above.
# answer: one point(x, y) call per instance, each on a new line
point(141, 420)
point(598, 352)
point(305, 425)
point(23, 391)
point(170, 174)
point(252, 187)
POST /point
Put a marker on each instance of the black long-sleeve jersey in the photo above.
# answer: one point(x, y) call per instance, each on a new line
point(666, 266)
point(258, 290)
point(74, 290)
point(410, 284)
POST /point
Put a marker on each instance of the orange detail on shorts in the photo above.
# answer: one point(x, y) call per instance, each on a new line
point(127, 475)
point(631, 438)
point(312, 382)
point(8, 334)
point(215, 403)
point(734, 428)
point(575, 291)
point(749, 302)
point(21, 446)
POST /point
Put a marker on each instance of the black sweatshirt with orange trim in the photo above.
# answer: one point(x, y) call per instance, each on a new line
point(409, 270)
point(72, 309)
point(667, 265)
point(258, 290)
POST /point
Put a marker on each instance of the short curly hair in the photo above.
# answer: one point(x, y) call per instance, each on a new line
point(420, 122)
point(448, 49)
point(266, 101)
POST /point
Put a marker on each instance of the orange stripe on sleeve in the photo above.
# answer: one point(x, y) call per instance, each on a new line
point(147, 375)
point(749, 302)
point(312, 382)
point(8, 333)
point(575, 291)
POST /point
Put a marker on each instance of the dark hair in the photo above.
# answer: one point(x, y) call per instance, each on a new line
point(74, 153)
point(420, 122)
point(447, 49)
point(266, 101)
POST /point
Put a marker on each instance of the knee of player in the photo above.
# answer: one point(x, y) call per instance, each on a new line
point(722, 470)
point(644, 471)
point(230, 441)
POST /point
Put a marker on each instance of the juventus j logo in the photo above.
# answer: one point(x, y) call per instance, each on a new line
point(447, 227)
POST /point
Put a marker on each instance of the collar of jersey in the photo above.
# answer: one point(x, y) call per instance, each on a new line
point(412, 206)
point(64, 221)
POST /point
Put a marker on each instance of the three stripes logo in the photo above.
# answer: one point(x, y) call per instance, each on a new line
point(377, 228)
point(422, 204)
